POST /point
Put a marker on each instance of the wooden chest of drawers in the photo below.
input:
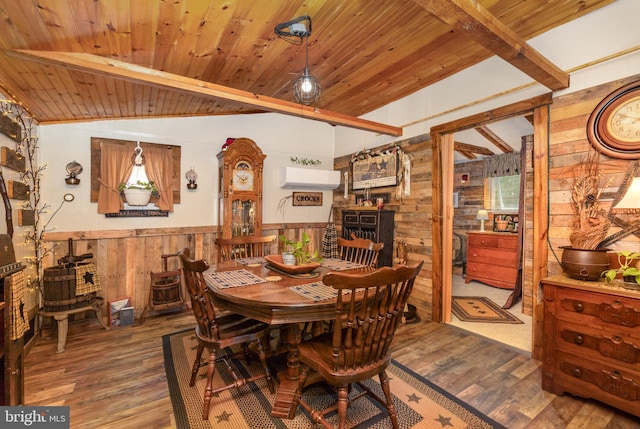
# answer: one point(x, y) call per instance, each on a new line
point(492, 258)
point(592, 341)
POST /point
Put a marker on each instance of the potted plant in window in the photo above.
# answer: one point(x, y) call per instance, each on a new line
point(139, 193)
point(584, 259)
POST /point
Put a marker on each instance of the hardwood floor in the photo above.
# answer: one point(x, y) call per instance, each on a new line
point(116, 378)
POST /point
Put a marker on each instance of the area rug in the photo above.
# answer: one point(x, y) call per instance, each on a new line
point(420, 404)
point(480, 309)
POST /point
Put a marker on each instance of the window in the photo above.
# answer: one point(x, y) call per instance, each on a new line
point(502, 193)
point(170, 174)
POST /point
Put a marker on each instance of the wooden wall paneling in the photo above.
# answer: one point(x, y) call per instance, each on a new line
point(152, 263)
point(568, 145)
point(413, 222)
point(125, 258)
point(120, 261)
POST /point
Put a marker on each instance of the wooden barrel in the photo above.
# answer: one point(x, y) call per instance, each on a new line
point(60, 290)
point(165, 288)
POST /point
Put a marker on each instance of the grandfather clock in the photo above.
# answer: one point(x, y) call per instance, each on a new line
point(240, 189)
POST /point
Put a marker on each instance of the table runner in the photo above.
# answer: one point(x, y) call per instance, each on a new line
point(235, 278)
point(336, 264)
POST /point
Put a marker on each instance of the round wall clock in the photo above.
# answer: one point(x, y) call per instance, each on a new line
point(614, 126)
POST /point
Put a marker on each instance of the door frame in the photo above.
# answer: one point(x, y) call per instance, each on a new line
point(442, 217)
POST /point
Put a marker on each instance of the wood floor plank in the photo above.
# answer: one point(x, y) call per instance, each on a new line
point(115, 378)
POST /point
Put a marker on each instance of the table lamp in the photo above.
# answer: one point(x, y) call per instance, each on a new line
point(482, 216)
point(630, 203)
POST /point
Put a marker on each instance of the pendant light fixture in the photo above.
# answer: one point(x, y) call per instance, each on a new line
point(306, 89)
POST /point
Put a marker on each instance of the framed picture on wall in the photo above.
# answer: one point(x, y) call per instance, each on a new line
point(376, 171)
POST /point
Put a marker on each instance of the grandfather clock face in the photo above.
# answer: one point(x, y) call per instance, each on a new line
point(242, 177)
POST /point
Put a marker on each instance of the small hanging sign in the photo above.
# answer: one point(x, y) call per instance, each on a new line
point(307, 198)
point(12, 159)
point(10, 128)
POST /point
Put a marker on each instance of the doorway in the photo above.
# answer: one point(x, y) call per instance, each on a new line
point(442, 174)
point(491, 182)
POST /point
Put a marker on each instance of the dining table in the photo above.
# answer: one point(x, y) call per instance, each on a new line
point(257, 289)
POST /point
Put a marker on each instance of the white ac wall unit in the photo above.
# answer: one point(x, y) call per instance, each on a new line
point(307, 178)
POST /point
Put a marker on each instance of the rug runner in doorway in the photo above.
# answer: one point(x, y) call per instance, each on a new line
point(480, 309)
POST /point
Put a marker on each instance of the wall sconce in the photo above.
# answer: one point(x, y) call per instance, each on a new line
point(73, 169)
point(482, 216)
point(191, 177)
point(630, 203)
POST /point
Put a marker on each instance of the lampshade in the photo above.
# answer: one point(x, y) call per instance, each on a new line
point(482, 215)
point(630, 203)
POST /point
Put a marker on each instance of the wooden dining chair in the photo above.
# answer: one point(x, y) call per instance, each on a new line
point(360, 250)
point(245, 246)
point(217, 333)
point(369, 309)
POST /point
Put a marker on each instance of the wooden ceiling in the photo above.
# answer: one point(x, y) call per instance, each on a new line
point(80, 60)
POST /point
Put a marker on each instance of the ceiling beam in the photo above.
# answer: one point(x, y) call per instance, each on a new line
point(102, 66)
point(470, 148)
point(494, 138)
point(468, 155)
point(480, 25)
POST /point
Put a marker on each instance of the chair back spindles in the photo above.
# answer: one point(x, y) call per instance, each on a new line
point(369, 309)
point(359, 250)
point(246, 246)
point(203, 308)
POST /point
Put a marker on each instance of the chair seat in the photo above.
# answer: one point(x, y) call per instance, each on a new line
point(317, 355)
point(236, 328)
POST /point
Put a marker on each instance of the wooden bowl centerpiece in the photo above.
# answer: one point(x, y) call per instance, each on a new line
point(276, 261)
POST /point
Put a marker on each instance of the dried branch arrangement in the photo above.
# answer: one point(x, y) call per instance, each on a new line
point(591, 222)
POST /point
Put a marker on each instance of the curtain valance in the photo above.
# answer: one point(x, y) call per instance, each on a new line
point(507, 164)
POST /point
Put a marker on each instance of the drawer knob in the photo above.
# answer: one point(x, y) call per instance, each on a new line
point(579, 339)
point(577, 372)
point(579, 307)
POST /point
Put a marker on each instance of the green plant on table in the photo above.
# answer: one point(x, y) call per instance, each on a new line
point(300, 249)
point(628, 261)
